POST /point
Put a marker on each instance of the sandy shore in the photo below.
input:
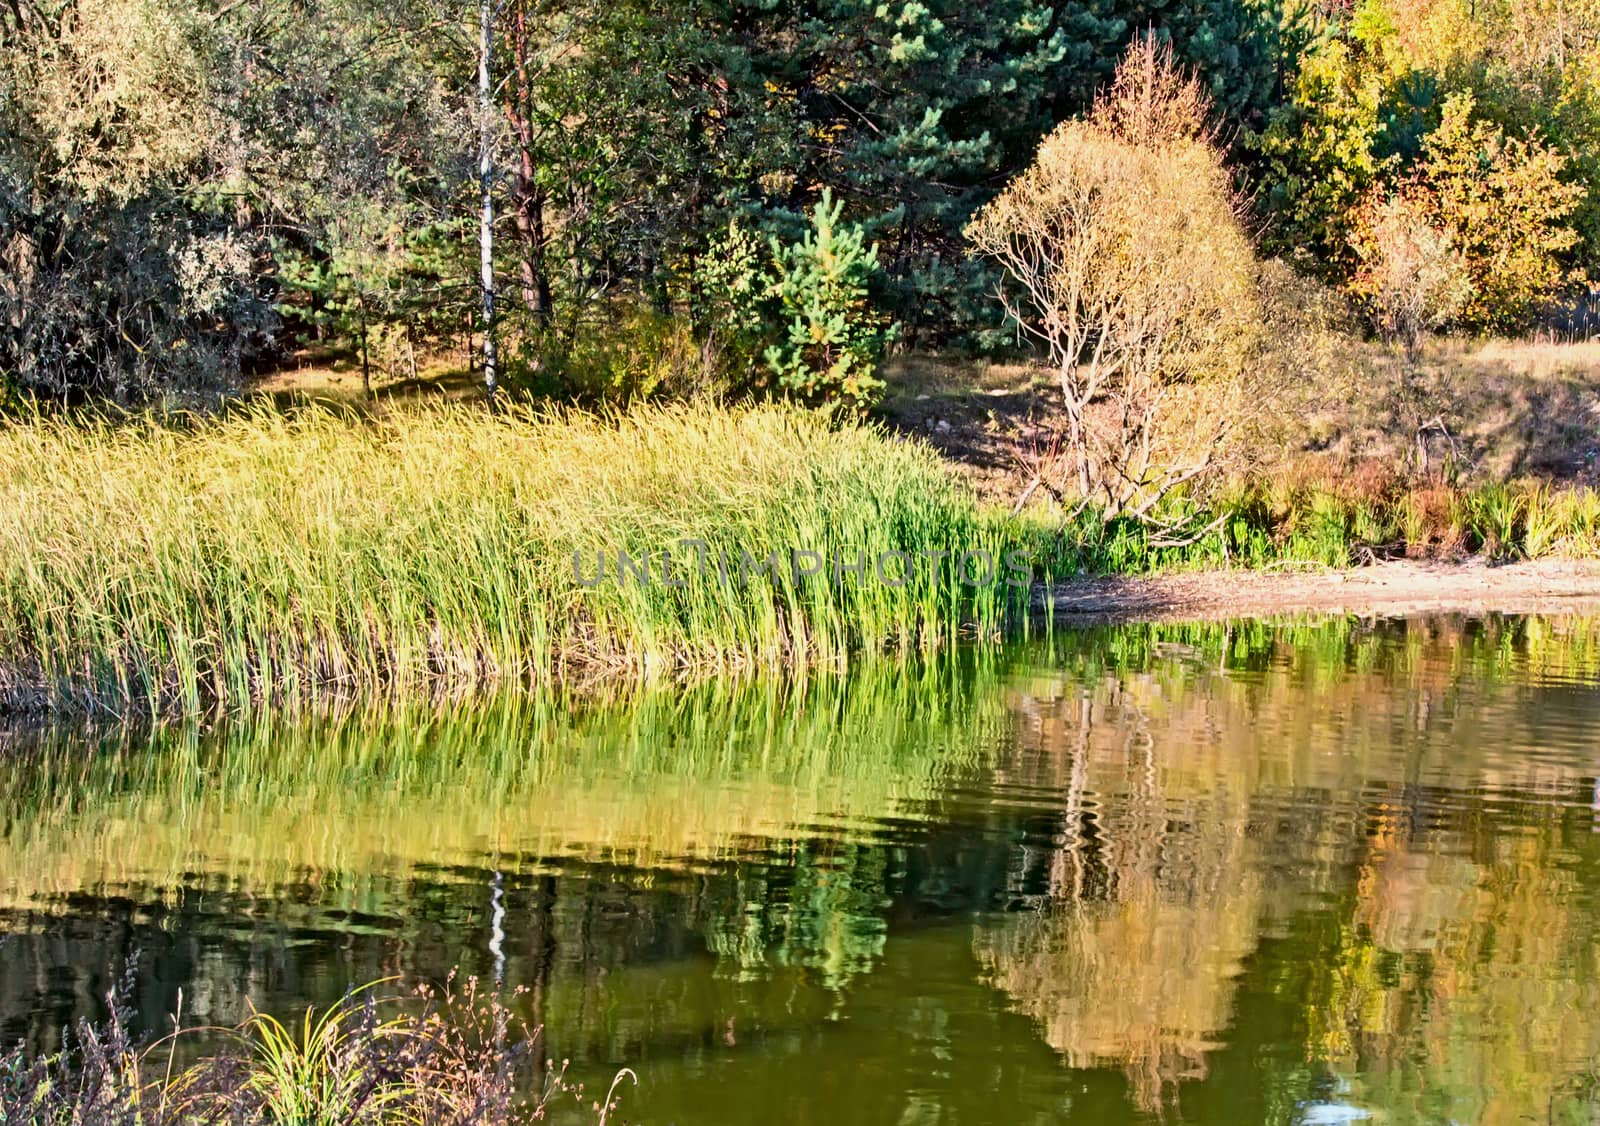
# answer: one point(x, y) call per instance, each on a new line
point(1388, 589)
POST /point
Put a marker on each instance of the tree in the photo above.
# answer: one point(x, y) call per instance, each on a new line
point(1412, 279)
point(1320, 154)
point(486, 131)
point(171, 172)
point(117, 275)
point(350, 158)
point(804, 317)
point(1427, 98)
point(1124, 257)
point(921, 106)
point(1504, 203)
point(835, 337)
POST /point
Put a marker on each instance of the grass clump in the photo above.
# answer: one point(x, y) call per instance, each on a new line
point(182, 566)
point(451, 1057)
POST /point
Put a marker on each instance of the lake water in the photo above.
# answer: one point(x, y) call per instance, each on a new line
point(1305, 873)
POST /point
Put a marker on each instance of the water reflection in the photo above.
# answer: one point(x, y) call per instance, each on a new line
point(1295, 873)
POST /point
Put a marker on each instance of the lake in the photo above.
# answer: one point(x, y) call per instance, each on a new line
point(1304, 872)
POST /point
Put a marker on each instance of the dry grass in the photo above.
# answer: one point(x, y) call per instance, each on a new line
point(1507, 408)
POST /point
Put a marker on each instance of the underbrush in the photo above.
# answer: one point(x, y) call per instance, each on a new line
point(166, 566)
point(454, 1057)
point(1365, 515)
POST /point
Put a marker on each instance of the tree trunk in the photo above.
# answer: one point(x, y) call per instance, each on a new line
point(486, 191)
point(528, 197)
point(530, 225)
point(366, 365)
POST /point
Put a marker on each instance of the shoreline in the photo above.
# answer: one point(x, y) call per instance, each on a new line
point(1392, 589)
point(1395, 589)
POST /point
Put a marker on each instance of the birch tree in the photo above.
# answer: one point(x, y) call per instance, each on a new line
point(486, 131)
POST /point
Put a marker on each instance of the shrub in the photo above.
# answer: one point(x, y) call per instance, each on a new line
point(1411, 278)
point(733, 287)
point(1502, 201)
point(1125, 258)
point(834, 338)
point(630, 353)
point(114, 279)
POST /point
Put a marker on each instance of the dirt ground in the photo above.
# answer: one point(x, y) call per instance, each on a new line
point(1504, 409)
point(1400, 589)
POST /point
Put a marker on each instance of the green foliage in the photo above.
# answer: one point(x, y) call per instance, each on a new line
point(1319, 154)
point(800, 317)
point(187, 190)
point(1345, 523)
point(733, 284)
point(835, 337)
point(629, 354)
point(921, 105)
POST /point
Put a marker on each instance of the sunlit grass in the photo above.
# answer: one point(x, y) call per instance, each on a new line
point(451, 1057)
point(163, 566)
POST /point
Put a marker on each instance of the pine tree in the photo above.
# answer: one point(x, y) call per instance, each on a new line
point(914, 112)
point(835, 337)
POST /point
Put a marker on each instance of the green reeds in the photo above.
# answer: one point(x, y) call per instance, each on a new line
point(181, 566)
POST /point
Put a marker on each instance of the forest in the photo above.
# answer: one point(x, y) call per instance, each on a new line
point(750, 196)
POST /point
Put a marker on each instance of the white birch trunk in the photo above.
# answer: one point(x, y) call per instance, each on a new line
point(486, 190)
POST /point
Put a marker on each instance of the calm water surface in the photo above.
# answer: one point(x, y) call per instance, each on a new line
point(1299, 873)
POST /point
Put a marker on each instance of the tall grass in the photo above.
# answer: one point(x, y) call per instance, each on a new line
point(180, 566)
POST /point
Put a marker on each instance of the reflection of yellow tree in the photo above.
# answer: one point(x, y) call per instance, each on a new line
point(1139, 971)
point(1461, 979)
point(1145, 982)
point(1464, 988)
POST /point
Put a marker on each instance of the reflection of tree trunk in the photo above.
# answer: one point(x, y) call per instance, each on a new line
point(1072, 840)
point(543, 950)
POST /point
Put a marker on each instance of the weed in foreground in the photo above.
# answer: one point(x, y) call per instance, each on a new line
point(449, 1057)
